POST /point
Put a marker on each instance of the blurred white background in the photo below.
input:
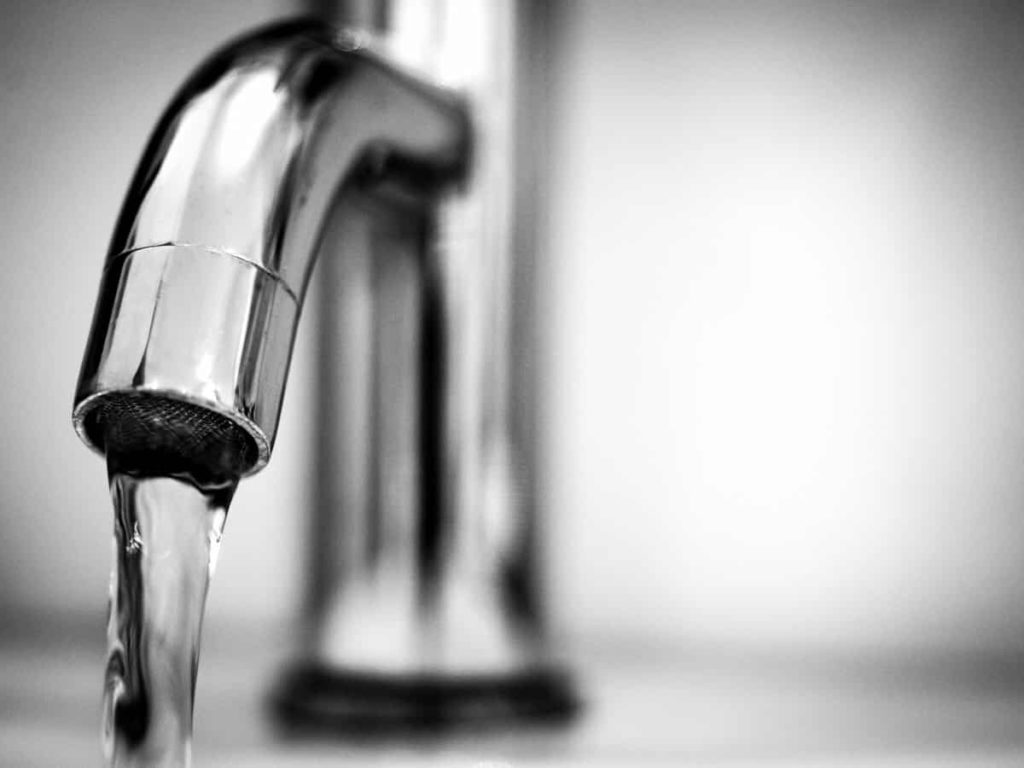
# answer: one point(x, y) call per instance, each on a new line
point(785, 365)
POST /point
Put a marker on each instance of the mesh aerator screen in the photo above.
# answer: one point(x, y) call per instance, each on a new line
point(155, 434)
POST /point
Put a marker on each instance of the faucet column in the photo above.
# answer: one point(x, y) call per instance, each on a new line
point(424, 600)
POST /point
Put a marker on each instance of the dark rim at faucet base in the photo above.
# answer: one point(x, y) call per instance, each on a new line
point(313, 698)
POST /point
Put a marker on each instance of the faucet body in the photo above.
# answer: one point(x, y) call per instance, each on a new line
point(212, 253)
point(423, 601)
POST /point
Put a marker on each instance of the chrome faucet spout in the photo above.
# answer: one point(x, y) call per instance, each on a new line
point(209, 262)
point(424, 601)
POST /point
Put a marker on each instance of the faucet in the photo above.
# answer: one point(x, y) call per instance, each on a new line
point(422, 598)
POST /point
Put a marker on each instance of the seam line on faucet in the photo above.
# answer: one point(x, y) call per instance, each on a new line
point(217, 251)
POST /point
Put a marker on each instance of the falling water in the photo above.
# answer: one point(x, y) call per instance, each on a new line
point(167, 533)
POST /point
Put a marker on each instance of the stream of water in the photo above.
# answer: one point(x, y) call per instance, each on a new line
point(167, 533)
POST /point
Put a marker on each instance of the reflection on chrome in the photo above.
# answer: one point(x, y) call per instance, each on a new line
point(212, 252)
point(423, 590)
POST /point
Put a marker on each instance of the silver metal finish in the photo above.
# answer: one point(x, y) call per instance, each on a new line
point(211, 256)
point(424, 593)
point(422, 557)
point(424, 560)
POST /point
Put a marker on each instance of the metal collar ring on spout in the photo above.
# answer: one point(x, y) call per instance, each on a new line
point(209, 262)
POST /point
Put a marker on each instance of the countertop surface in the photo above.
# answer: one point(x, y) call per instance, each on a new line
point(644, 707)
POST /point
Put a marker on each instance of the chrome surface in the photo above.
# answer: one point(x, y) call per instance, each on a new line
point(424, 543)
point(294, 141)
point(212, 253)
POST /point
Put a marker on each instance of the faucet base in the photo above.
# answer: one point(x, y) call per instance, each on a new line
point(355, 704)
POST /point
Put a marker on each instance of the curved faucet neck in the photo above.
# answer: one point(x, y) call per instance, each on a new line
point(210, 260)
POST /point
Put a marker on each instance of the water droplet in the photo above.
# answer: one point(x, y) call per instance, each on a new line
point(135, 543)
